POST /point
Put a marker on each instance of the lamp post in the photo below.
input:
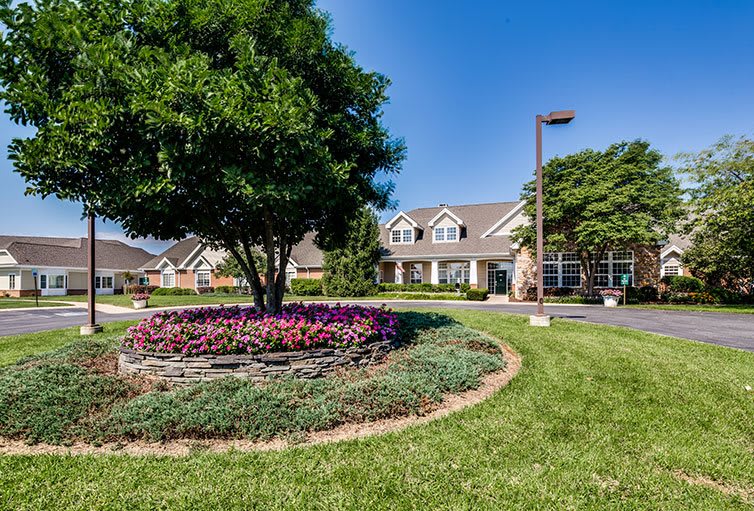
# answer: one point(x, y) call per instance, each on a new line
point(559, 117)
point(92, 327)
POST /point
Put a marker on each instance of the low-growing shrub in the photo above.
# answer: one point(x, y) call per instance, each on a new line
point(227, 290)
point(647, 294)
point(421, 296)
point(138, 288)
point(478, 295)
point(243, 330)
point(575, 299)
point(205, 290)
point(683, 284)
point(173, 291)
point(306, 287)
point(424, 287)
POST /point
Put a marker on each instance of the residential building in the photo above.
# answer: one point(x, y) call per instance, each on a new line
point(466, 244)
point(60, 265)
point(190, 264)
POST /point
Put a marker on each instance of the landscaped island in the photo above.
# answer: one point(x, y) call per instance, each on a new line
point(76, 393)
point(306, 341)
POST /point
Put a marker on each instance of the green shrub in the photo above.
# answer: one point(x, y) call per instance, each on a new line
point(226, 290)
point(420, 296)
point(683, 284)
point(173, 291)
point(465, 287)
point(55, 403)
point(306, 287)
point(648, 294)
point(424, 287)
point(575, 299)
point(478, 295)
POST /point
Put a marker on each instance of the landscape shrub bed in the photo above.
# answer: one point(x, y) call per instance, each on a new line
point(425, 287)
point(421, 296)
point(68, 395)
point(306, 287)
point(244, 330)
point(478, 295)
point(173, 291)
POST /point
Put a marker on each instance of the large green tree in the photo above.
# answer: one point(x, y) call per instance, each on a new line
point(351, 270)
point(239, 121)
point(594, 201)
point(721, 224)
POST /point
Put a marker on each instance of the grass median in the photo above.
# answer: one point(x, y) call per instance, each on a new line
point(598, 418)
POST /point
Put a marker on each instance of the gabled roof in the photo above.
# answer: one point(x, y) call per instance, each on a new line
point(306, 254)
point(72, 252)
point(508, 216)
point(400, 215)
point(175, 255)
point(445, 211)
point(478, 219)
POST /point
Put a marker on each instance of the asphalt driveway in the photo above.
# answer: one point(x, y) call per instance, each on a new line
point(732, 330)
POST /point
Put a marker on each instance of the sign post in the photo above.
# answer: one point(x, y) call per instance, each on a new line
point(624, 283)
point(34, 273)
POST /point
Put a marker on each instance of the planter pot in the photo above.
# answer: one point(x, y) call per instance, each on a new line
point(139, 304)
point(610, 301)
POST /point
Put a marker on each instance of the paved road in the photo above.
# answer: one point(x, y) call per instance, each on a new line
point(732, 330)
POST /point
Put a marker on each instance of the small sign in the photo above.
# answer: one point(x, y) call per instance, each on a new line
point(624, 279)
point(34, 272)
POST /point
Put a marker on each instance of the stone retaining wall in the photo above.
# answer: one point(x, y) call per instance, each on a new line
point(183, 369)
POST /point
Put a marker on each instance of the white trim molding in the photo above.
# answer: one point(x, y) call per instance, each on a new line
point(401, 214)
point(446, 211)
point(673, 248)
point(512, 213)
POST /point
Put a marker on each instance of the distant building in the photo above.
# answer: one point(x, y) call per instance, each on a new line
point(61, 265)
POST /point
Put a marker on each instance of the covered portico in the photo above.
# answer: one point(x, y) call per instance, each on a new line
point(494, 273)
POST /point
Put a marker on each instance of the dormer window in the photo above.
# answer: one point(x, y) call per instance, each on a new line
point(447, 233)
point(402, 236)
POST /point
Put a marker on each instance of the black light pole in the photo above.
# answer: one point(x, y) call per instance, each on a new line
point(92, 327)
point(559, 117)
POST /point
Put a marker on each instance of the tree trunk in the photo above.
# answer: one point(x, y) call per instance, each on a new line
point(273, 304)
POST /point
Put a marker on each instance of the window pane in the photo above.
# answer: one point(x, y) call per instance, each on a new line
point(571, 274)
point(407, 236)
point(416, 273)
point(395, 236)
point(12, 281)
point(203, 279)
point(439, 233)
point(551, 257)
point(452, 233)
point(43, 281)
point(97, 282)
point(569, 256)
point(671, 269)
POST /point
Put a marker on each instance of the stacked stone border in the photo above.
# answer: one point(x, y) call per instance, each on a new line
point(185, 369)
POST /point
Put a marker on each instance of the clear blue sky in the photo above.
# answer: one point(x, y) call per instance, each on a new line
point(468, 78)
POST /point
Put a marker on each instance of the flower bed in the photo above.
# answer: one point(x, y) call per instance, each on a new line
point(243, 330)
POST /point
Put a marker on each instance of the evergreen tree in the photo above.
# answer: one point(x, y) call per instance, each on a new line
point(352, 269)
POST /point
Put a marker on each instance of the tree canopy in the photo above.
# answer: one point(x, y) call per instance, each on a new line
point(721, 223)
point(351, 270)
point(239, 121)
point(599, 200)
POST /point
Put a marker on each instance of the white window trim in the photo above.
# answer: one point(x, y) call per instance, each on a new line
point(608, 258)
point(420, 270)
point(442, 267)
point(678, 269)
point(402, 231)
point(444, 230)
point(163, 273)
point(559, 264)
point(196, 278)
point(11, 281)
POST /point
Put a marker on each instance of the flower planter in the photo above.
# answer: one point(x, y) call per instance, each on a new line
point(610, 301)
point(140, 304)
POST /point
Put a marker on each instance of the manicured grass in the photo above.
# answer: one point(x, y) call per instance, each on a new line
point(14, 347)
point(598, 418)
point(733, 309)
point(12, 303)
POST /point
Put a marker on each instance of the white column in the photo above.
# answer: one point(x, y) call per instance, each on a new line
point(472, 273)
point(398, 273)
point(434, 276)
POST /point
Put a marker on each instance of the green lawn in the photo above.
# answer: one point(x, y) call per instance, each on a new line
point(12, 303)
point(734, 309)
point(14, 347)
point(598, 418)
